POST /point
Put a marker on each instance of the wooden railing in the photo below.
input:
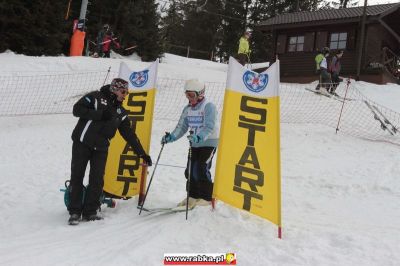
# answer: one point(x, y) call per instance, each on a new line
point(391, 61)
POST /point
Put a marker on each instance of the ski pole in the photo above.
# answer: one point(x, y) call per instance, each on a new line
point(108, 72)
point(113, 39)
point(340, 116)
point(131, 47)
point(189, 175)
point(81, 94)
point(151, 178)
point(249, 62)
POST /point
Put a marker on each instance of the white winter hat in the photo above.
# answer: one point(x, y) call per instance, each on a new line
point(196, 86)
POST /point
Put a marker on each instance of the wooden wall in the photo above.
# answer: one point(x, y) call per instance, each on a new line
point(303, 63)
point(300, 66)
point(373, 43)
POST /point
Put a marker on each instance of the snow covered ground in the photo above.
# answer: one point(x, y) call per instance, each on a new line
point(340, 194)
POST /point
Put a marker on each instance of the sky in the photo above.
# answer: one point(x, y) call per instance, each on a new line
point(378, 2)
point(340, 193)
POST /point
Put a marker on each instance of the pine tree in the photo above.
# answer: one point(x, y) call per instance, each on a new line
point(201, 27)
point(33, 27)
point(261, 43)
point(148, 33)
point(172, 29)
point(234, 24)
point(133, 22)
point(11, 25)
point(344, 3)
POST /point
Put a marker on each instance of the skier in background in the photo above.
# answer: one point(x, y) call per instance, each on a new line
point(105, 39)
point(199, 116)
point(322, 69)
point(334, 69)
point(100, 115)
point(244, 48)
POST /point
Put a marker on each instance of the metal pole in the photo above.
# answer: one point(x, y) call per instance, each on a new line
point(344, 100)
point(361, 46)
point(151, 179)
point(187, 53)
point(142, 184)
point(83, 9)
point(108, 72)
point(189, 175)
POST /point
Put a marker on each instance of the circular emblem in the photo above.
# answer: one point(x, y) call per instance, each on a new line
point(255, 82)
point(138, 79)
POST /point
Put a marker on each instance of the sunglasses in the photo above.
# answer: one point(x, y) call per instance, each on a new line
point(191, 94)
point(123, 91)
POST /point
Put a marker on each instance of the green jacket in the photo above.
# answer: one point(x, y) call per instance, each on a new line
point(244, 46)
point(318, 60)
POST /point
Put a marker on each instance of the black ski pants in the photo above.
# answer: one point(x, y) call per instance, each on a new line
point(335, 81)
point(106, 54)
point(201, 185)
point(243, 59)
point(324, 79)
point(81, 155)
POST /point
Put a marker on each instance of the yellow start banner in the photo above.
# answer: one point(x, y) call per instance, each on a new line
point(123, 168)
point(248, 164)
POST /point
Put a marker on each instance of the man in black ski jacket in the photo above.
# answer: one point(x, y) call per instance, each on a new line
point(100, 115)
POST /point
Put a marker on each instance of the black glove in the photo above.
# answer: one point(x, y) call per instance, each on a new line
point(147, 159)
point(107, 114)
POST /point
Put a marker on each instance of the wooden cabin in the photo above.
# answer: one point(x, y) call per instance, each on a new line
point(299, 36)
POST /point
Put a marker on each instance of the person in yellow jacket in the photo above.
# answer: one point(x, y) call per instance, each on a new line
point(322, 69)
point(244, 48)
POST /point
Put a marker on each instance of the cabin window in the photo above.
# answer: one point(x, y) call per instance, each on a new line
point(296, 44)
point(338, 40)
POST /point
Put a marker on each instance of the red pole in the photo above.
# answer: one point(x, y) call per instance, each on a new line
point(279, 232)
point(347, 87)
point(142, 184)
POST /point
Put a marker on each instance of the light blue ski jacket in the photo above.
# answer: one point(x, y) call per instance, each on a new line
point(202, 119)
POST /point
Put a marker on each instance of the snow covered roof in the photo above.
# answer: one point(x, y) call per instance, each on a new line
point(330, 14)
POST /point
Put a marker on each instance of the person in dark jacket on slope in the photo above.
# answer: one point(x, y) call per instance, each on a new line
point(100, 115)
point(335, 67)
point(106, 39)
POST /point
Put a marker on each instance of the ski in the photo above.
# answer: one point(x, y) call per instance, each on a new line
point(334, 96)
point(319, 92)
point(376, 117)
point(324, 93)
point(342, 98)
point(394, 129)
point(165, 210)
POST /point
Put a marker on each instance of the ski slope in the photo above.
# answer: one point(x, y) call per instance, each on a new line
point(340, 194)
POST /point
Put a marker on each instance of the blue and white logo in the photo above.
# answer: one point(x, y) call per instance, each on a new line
point(139, 79)
point(255, 82)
